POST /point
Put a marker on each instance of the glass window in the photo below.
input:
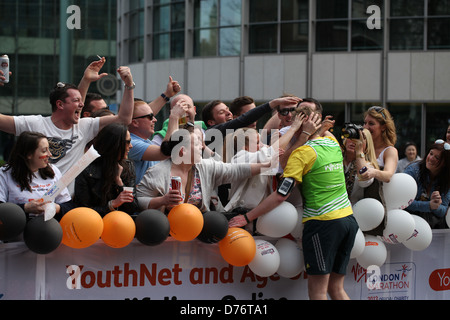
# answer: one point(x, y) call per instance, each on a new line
point(136, 4)
point(205, 14)
point(364, 38)
point(438, 120)
point(230, 41)
point(357, 111)
point(263, 11)
point(294, 37)
point(359, 7)
point(289, 33)
point(168, 30)
point(177, 16)
point(294, 10)
point(407, 8)
point(331, 35)
point(439, 33)
point(230, 13)
point(407, 119)
point(217, 26)
point(407, 34)
point(136, 49)
point(438, 7)
point(161, 46)
point(332, 9)
point(177, 44)
point(160, 19)
point(28, 68)
point(205, 42)
point(263, 38)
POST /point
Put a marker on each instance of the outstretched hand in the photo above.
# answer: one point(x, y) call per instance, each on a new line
point(92, 71)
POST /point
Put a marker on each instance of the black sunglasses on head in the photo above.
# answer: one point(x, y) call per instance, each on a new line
point(379, 110)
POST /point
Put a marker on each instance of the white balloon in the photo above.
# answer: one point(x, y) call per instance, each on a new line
point(400, 191)
point(297, 233)
point(291, 258)
point(421, 237)
point(278, 222)
point(266, 260)
point(374, 253)
point(368, 213)
point(399, 226)
point(359, 244)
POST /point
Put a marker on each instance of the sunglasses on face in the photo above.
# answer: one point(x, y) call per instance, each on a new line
point(286, 111)
point(379, 110)
point(446, 145)
point(149, 116)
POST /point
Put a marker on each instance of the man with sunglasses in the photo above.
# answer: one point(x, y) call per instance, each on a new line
point(145, 152)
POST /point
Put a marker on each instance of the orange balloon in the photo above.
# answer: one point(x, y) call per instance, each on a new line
point(238, 248)
point(82, 227)
point(186, 222)
point(118, 229)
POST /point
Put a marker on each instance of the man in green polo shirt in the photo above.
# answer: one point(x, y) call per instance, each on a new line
point(329, 226)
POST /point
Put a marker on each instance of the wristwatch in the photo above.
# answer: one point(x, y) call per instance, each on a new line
point(130, 88)
point(165, 97)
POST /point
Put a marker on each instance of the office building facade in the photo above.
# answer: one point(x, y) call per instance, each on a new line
point(349, 54)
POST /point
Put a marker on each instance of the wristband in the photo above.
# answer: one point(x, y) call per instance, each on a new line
point(165, 97)
point(130, 88)
point(306, 132)
point(246, 218)
point(110, 206)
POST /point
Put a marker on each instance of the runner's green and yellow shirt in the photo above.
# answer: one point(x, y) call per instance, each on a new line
point(318, 166)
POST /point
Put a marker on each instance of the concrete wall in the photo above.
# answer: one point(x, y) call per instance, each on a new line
point(346, 77)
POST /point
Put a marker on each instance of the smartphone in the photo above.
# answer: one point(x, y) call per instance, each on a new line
point(286, 186)
point(362, 170)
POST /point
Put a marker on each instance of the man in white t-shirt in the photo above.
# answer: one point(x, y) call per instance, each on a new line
point(66, 132)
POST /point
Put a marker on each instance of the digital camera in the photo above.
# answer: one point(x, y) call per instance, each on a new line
point(351, 131)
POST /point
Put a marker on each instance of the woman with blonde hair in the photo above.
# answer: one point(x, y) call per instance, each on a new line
point(381, 125)
point(359, 155)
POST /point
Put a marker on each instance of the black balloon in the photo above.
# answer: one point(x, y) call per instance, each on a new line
point(41, 236)
point(12, 220)
point(215, 227)
point(152, 227)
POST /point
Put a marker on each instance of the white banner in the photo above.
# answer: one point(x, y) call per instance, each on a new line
point(196, 271)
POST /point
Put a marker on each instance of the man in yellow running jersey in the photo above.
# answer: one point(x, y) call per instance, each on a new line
point(329, 226)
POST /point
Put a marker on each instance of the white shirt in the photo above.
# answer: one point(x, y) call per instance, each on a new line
point(248, 193)
point(66, 146)
point(10, 189)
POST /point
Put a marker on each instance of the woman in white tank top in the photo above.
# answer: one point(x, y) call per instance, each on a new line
point(379, 122)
